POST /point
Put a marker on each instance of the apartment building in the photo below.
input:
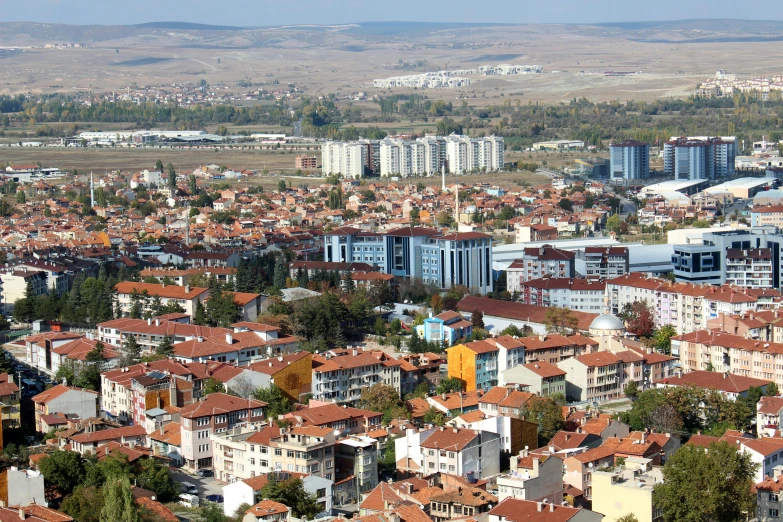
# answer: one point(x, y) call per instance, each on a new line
point(445, 260)
point(554, 348)
point(215, 413)
point(350, 160)
point(628, 489)
point(15, 281)
point(700, 157)
point(475, 363)
point(357, 467)
point(341, 376)
point(464, 501)
point(9, 401)
point(770, 215)
point(749, 268)
point(541, 377)
point(305, 162)
point(537, 263)
point(65, 400)
point(250, 451)
point(343, 419)
point(461, 452)
point(584, 295)
point(592, 377)
point(604, 262)
point(768, 498)
point(532, 477)
point(629, 160)
point(245, 344)
point(769, 411)
point(128, 295)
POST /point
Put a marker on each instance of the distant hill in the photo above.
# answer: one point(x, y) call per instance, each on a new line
point(187, 26)
point(718, 25)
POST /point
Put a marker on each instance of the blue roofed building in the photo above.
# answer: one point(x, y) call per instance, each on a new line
point(448, 326)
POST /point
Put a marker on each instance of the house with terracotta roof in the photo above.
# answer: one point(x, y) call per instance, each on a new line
point(75, 353)
point(341, 418)
point(769, 411)
point(247, 491)
point(500, 314)
point(460, 502)
point(532, 477)
point(592, 377)
point(504, 401)
point(291, 373)
point(215, 413)
point(540, 377)
point(418, 368)
point(166, 441)
point(769, 497)
point(245, 344)
point(461, 452)
point(340, 375)
point(517, 510)
point(32, 513)
point(729, 385)
point(39, 347)
point(603, 426)
point(583, 295)
point(128, 293)
point(460, 402)
point(268, 511)
point(65, 400)
point(92, 440)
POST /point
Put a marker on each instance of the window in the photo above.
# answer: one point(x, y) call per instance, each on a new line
point(451, 454)
point(203, 421)
point(290, 454)
point(278, 452)
point(265, 463)
point(773, 512)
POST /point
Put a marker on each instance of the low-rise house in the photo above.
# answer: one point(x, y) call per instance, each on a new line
point(464, 501)
point(66, 400)
point(769, 498)
point(166, 442)
point(540, 377)
point(532, 477)
point(461, 452)
point(9, 401)
point(343, 419)
point(91, 441)
point(768, 414)
point(268, 511)
point(504, 401)
point(249, 343)
point(418, 368)
point(130, 294)
point(445, 328)
point(729, 385)
point(516, 510)
point(247, 491)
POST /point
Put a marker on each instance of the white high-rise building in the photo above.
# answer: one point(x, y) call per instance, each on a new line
point(347, 159)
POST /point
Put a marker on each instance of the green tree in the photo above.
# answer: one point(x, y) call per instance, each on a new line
point(613, 223)
point(64, 470)
point(165, 347)
point(566, 204)
point(221, 309)
point(130, 351)
point(279, 404)
point(662, 339)
point(192, 185)
point(291, 493)
point(706, 484)
point(281, 186)
point(631, 390)
point(172, 177)
point(560, 320)
point(772, 390)
point(449, 385)
point(630, 517)
point(379, 397)
point(118, 505)
point(21, 198)
point(200, 315)
point(154, 476)
point(84, 504)
point(548, 413)
point(213, 385)
point(434, 416)
point(159, 166)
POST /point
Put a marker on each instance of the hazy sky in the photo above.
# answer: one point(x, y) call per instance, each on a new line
point(276, 12)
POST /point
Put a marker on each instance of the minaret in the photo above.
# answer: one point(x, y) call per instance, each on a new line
point(187, 226)
point(456, 204)
point(443, 177)
point(92, 191)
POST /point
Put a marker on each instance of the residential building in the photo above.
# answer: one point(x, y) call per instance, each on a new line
point(421, 367)
point(534, 233)
point(305, 162)
point(584, 295)
point(445, 328)
point(166, 442)
point(292, 373)
point(351, 160)
point(540, 262)
point(130, 294)
point(769, 411)
point(247, 343)
point(268, 511)
point(443, 259)
point(769, 215)
point(700, 157)
point(768, 498)
point(9, 401)
point(508, 401)
point(541, 377)
point(244, 452)
point(475, 363)
point(341, 376)
point(356, 463)
point(532, 477)
point(603, 262)
point(729, 385)
point(628, 489)
point(90, 442)
point(66, 400)
point(340, 418)
point(554, 348)
point(247, 491)
point(629, 160)
point(15, 281)
point(461, 452)
point(215, 413)
point(24, 487)
point(592, 377)
point(517, 510)
point(459, 502)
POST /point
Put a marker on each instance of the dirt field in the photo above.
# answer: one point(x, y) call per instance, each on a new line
point(343, 62)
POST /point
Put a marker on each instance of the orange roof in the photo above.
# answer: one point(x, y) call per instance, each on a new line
point(55, 391)
point(167, 291)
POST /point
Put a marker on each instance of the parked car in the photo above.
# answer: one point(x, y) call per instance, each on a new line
point(218, 499)
point(188, 500)
point(204, 472)
point(189, 488)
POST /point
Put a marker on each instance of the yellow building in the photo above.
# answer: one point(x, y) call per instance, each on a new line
point(475, 363)
point(628, 489)
point(293, 373)
point(9, 402)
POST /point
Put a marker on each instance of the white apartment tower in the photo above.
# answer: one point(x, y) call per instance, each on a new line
point(347, 159)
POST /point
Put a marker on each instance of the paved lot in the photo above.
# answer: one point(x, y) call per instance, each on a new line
point(206, 486)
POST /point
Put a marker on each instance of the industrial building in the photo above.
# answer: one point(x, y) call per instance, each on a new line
point(742, 188)
point(559, 145)
point(687, 187)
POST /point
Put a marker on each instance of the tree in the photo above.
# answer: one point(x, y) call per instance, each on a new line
point(118, 505)
point(477, 319)
point(64, 470)
point(281, 272)
point(379, 397)
point(436, 303)
point(449, 385)
point(278, 403)
point(159, 166)
point(631, 390)
point(641, 320)
point(200, 315)
point(213, 385)
point(165, 347)
point(172, 178)
point(291, 492)
point(192, 185)
point(613, 223)
point(560, 320)
point(281, 186)
point(772, 390)
point(221, 309)
point(662, 340)
point(84, 504)
point(434, 416)
point(130, 351)
point(156, 477)
point(548, 413)
point(706, 484)
point(20, 197)
point(630, 517)
point(565, 204)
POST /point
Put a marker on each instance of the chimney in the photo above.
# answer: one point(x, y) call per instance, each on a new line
point(187, 289)
point(157, 321)
point(539, 506)
point(22, 514)
point(552, 507)
point(149, 321)
point(535, 466)
point(229, 339)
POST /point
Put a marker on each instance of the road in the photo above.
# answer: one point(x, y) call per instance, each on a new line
point(728, 210)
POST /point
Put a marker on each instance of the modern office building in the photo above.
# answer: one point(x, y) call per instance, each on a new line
point(629, 160)
point(700, 157)
point(746, 257)
point(443, 259)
